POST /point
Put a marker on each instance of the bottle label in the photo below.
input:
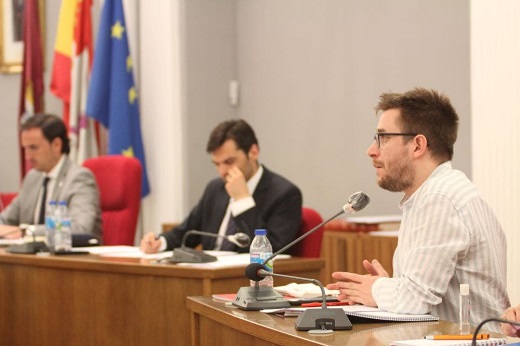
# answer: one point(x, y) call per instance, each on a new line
point(260, 258)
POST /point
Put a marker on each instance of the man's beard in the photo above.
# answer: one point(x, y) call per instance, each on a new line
point(399, 178)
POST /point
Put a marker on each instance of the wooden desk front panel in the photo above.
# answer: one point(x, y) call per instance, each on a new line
point(345, 251)
point(213, 323)
point(85, 300)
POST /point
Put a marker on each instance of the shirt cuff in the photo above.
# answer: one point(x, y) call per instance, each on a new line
point(163, 243)
point(240, 206)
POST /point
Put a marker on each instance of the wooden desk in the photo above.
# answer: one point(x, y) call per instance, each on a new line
point(89, 300)
point(213, 323)
point(345, 251)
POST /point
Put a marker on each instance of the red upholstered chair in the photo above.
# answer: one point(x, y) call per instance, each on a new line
point(119, 181)
point(6, 198)
point(310, 246)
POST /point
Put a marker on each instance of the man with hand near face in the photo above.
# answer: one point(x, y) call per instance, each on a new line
point(53, 177)
point(246, 196)
point(448, 235)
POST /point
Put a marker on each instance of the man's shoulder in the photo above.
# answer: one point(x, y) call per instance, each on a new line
point(275, 179)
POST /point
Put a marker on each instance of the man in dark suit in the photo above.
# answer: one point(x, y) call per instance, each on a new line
point(247, 196)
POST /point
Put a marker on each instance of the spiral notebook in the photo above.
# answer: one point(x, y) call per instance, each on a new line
point(362, 314)
point(424, 342)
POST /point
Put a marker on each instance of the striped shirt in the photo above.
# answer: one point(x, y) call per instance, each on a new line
point(448, 236)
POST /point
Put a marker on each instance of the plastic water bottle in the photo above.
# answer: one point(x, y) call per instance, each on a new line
point(62, 236)
point(50, 223)
point(464, 310)
point(259, 251)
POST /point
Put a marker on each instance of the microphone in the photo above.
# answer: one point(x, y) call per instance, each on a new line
point(28, 248)
point(495, 319)
point(186, 254)
point(312, 319)
point(258, 298)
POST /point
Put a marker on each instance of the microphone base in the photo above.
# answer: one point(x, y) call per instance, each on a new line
point(331, 319)
point(259, 298)
point(28, 248)
point(189, 255)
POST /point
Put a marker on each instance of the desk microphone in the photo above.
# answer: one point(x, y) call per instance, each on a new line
point(495, 319)
point(312, 319)
point(258, 298)
point(28, 248)
point(186, 254)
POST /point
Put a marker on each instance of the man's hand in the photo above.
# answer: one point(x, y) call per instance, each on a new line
point(150, 244)
point(236, 185)
point(357, 288)
point(10, 232)
point(513, 314)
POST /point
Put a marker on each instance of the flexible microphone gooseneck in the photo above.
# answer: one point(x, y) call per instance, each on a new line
point(185, 254)
point(258, 298)
point(494, 319)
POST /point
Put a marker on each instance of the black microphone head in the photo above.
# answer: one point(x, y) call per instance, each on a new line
point(356, 202)
point(252, 271)
point(240, 239)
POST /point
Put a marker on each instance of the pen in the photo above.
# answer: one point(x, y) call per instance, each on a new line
point(457, 337)
point(315, 304)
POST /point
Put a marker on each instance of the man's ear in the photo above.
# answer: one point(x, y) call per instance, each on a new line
point(253, 152)
point(420, 145)
point(57, 144)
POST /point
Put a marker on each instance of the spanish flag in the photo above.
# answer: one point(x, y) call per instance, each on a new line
point(73, 52)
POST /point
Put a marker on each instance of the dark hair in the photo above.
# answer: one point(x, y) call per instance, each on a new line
point(427, 112)
point(237, 130)
point(51, 126)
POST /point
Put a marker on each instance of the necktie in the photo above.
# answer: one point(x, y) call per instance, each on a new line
point(231, 229)
point(43, 202)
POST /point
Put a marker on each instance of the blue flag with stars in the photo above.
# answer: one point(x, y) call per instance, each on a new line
point(112, 95)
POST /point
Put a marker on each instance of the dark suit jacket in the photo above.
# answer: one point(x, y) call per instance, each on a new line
point(278, 210)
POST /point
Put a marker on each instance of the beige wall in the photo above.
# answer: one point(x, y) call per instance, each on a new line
point(495, 100)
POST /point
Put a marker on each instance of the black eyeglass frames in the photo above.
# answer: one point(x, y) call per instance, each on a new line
point(378, 135)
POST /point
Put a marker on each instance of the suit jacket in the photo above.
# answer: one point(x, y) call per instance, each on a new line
point(278, 210)
point(74, 184)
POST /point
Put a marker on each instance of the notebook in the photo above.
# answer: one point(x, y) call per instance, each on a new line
point(424, 342)
point(362, 314)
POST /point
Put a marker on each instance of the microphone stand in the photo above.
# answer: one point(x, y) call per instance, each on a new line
point(317, 319)
point(186, 254)
point(258, 298)
point(28, 248)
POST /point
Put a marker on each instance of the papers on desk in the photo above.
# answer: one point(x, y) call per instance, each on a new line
point(226, 261)
point(425, 342)
point(224, 258)
point(361, 314)
point(307, 290)
point(8, 242)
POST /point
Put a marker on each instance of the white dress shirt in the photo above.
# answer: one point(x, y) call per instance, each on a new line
point(449, 235)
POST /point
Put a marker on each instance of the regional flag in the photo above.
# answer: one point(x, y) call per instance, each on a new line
point(31, 93)
point(112, 94)
point(70, 75)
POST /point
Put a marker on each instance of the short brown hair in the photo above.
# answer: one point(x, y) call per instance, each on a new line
point(427, 112)
point(52, 127)
point(238, 130)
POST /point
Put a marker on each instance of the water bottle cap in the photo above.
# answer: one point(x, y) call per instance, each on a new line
point(52, 202)
point(62, 202)
point(260, 232)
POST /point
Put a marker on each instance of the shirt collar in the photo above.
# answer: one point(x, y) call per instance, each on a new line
point(252, 183)
point(55, 171)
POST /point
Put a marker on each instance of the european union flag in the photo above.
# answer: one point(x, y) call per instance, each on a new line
point(112, 95)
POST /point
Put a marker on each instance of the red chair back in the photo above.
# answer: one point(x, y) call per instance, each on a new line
point(6, 198)
point(119, 181)
point(310, 246)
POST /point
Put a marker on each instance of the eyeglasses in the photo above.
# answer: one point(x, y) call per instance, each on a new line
point(378, 135)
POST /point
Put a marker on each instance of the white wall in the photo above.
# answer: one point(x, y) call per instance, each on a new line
point(495, 101)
